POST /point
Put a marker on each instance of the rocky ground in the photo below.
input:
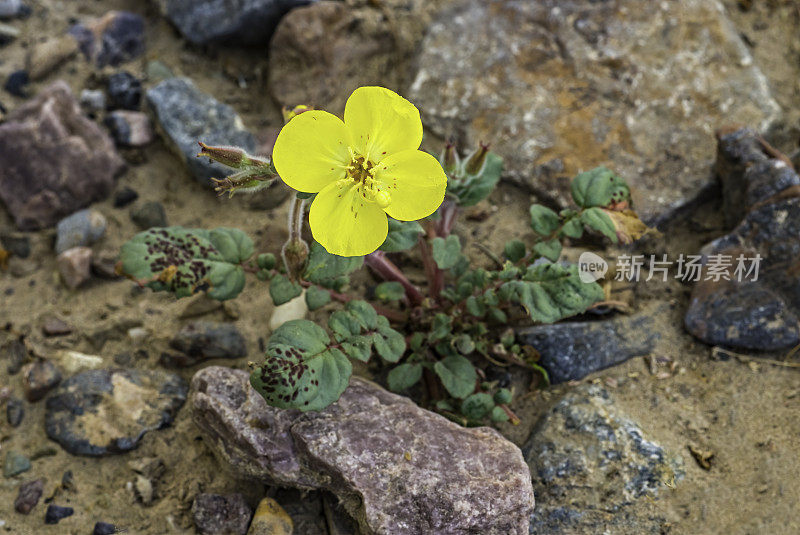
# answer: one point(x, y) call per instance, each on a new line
point(674, 413)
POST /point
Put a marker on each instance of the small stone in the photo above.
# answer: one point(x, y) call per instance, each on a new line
point(81, 228)
point(270, 519)
point(157, 71)
point(187, 115)
point(15, 464)
point(93, 100)
point(296, 309)
point(15, 411)
point(138, 335)
point(10, 8)
point(106, 412)
point(73, 361)
point(124, 91)
point(38, 378)
point(144, 490)
point(75, 266)
point(16, 83)
point(203, 340)
point(17, 244)
point(56, 513)
point(29, 494)
point(113, 39)
point(104, 528)
point(124, 196)
point(16, 352)
point(130, 128)
point(46, 56)
point(148, 215)
point(8, 33)
point(216, 514)
point(55, 326)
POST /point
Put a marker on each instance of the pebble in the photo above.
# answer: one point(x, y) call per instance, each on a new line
point(38, 378)
point(157, 71)
point(124, 91)
point(54, 326)
point(215, 513)
point(56, 513)
point(73, 361)
point(15, 352)
point(81, 228)
point(148, 215)
point(124, 196)
point(16, 83)
point(47, 56)
point(15, 464)
point(8, 33)
point(93, 100)
point(271, 519)
point(138, 335)
point(15, 411)
point(75, 266)
point(296, 309)
point(29, 494)
point(104, 528)
point(10, 8)
point(130, 128)
point(113, 39)
point(17, 244)
point(209, 340)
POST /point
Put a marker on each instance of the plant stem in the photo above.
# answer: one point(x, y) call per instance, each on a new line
point(387, 270)
point(448, 213)
point(295, 251)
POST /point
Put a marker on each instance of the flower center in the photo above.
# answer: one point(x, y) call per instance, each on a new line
point(361, 172)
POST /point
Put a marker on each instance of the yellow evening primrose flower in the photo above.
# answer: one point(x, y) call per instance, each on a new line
point(362, 169)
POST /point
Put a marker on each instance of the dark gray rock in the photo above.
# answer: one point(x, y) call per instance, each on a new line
point(148, 215)
point(17, 82)
point(115, 38)
point(104, 528)
point(215, 514)
point(57, 513)
point(15, 464)
point(17, 244)
point(246, 22)
point(201, 340)
point(591, 465)
point(124, 196)
point(81, 228)
point(397, 468)
point(93, 101)
point(55, 326)
point(53, 160)
point(104, 412)
point(130, 128)
point(187, 116)
point(124, 91)
point(15, 411)
point(538, 79)
point(29, 494)
point(39, 378)
point(572, 350)
point(15, 352)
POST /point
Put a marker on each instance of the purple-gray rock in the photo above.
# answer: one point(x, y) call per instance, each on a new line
point(39, 378)
point(591, 465)
point(148, 215)
point(201, 340)
point(124, 91)
point(53, 160)
point(104, 412)
point(57, 513)
point(215, 514)
point(115, 38)
point(29, 494)
point(15, 411)
point(81, 228)
point(561, 87)
point(187, 115)
point(397, 468)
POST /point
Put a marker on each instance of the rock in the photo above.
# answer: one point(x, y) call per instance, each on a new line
point(124, 196)
point(377, 452)
point(53, 160)
point(16, 83)
point(55, 326)
point(93, 100)
point(29, 494)
point(295, 309)
point(47, 56)
point(38, 378)
point(124, 91)
point(739, 310)
point(115, 38)
point(138, 335)
point(17, 244)
point(22, 267)
point(187, 115)
point(10, 8)
point(572, 350)
point(214, 514)
point(130, 128)
point(16, 352)
point(81, 228)
point(104, 412)
point(145, 492)
point(15, 411)
point(56, 513)
point(74, 265)
point(148, 215)
point(104, 528)
point(104, 265)
point(8, 33)
point(246, 22)
point(270, 519)
point(114, 329)
point(157, 71)
point(591, 464)
point(73, 362)
point(15, 464)
point(203, 340)
point(592, 75)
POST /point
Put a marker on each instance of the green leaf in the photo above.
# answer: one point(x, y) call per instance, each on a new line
point(442, 327)
point(326, 269)
point(470, 189)
point(301, 369)
point(446, 251)
point(404, 376)
point(317, 297)
point(544, 221)
point(304, 195)
point(599, 187)
point(403, 235)
point(514, 250)
point(282, 290)
point(266, 261)
point(389, 291)
point(457, 374)
point(416, 341)
point(185, 261)
point(358, 328)
point(475, 307)
point(477, 406)
point(597, 219)
point(503, 396)
point(464, 344)
point(550, 249)
point(499, 415)
point(572, 228)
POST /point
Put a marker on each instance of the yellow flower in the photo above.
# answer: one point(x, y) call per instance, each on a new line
point(361, 168)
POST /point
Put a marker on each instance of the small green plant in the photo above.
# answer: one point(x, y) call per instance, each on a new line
point(436, 339)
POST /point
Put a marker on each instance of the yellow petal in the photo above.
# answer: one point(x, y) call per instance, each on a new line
point(415, 183)
point(381, 122)
point(312, 151)
point(345, 223)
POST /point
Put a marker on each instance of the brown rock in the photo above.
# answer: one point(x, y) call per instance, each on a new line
point(28, 497)
point(54, 326)
point(53, 160)
point(75, 266)
point(38, 378)
point(45, 57)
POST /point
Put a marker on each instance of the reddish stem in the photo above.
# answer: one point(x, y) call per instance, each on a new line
point(432, 272)
point(387, 270)
point(448, 214)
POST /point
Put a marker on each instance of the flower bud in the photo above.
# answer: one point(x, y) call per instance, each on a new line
point(449, 158)
point(232, 157)
point(477, 160)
